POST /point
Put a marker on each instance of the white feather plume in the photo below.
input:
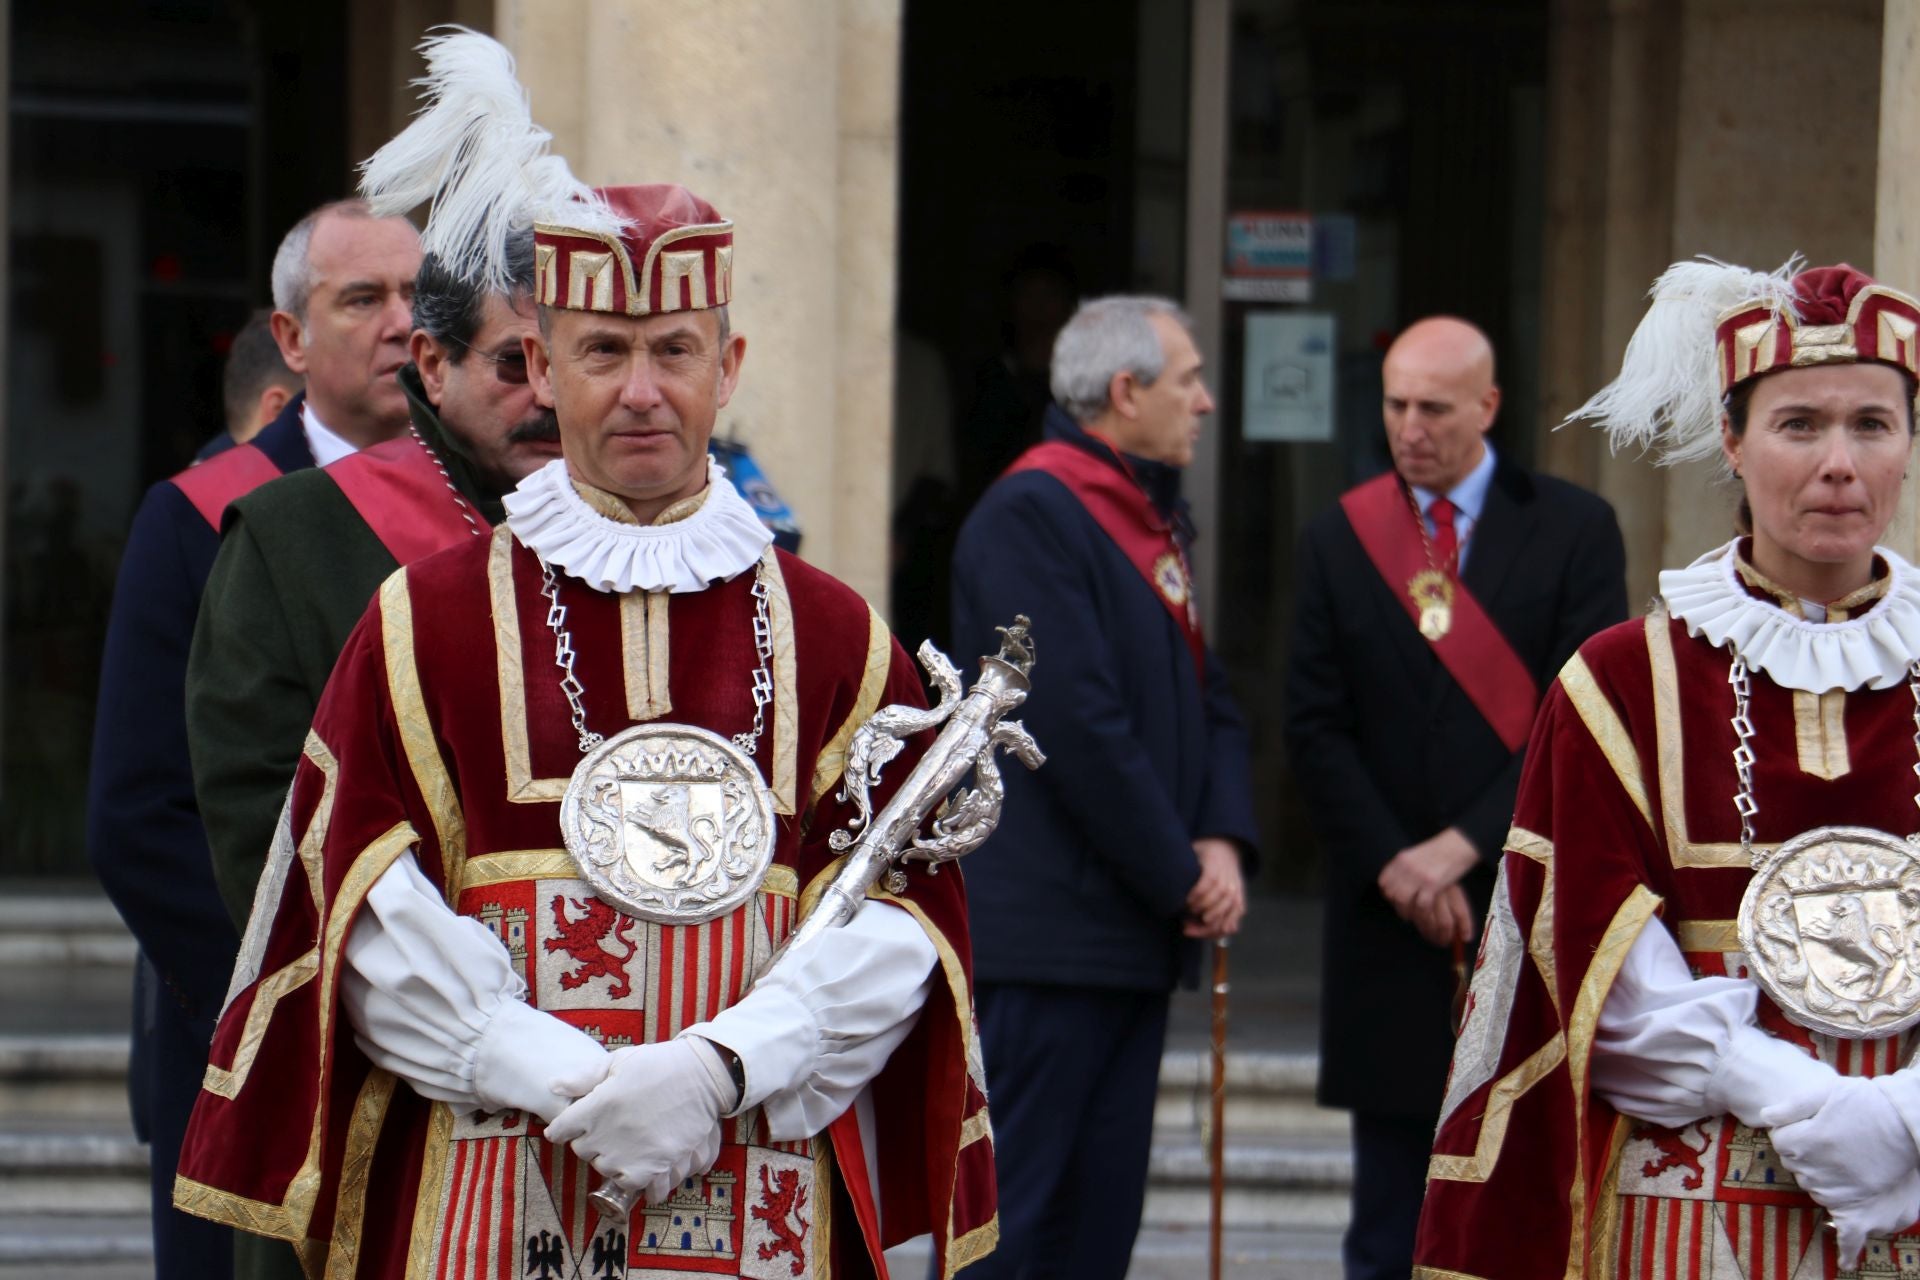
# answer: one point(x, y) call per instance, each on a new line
point(475, 152)
point(1667, 397)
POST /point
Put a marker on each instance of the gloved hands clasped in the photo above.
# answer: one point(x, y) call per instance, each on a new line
point(1857, 1156)
point(654, 1119)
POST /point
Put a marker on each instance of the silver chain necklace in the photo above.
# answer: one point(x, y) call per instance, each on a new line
point(1743, 757)
point(563, 657)
point(459, 499)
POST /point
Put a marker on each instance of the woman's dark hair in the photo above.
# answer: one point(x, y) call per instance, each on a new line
point(1739, 400)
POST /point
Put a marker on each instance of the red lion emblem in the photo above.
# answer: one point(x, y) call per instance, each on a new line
point(583, 940)
point(1676, 1152)
point(776, 1205)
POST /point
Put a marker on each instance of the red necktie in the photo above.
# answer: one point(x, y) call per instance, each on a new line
point(1446, 543)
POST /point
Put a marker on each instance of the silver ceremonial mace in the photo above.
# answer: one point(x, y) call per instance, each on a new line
point(875, 844)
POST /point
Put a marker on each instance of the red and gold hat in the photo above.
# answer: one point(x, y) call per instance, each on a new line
point(1844, 316)
point(675, 253)
point(1713, 326)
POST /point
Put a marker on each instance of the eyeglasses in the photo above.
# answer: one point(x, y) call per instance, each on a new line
point(510, 369)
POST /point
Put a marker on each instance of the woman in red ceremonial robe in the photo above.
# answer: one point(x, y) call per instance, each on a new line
point(1661, 1072)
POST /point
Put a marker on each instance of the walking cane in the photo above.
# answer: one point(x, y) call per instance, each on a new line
point(1218, 1101)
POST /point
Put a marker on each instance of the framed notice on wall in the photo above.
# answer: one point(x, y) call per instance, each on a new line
point(1288, 394)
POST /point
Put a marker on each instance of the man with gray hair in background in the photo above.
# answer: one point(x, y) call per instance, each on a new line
point(342, 279)
point(1115, 862)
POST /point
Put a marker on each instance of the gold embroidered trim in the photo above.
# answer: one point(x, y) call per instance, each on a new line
point(1670, 748)
point(603, 503)
point(832, 761)
point(659, 651)
point(974, 1245)
point(1609, 734)
point(1441, 1273)
point(1540, 940)
point(1632, 916)
point(557, 864)
point(1837, 610)
point(1603, 1237)
point(823, 1217)
point(1708, 935)
point(976, 1127)
point(1529, 845)
point(1493, 1125)
point(522, 786)
point(1820, 733)
point(356, 1164)
point(782, 881)
point(786, 688)
point(227, 1082)
point(518, 864)
point(416, 731)
point(288, 1221)
point(422, 1260)
point(254, 1216)
point(643, 652)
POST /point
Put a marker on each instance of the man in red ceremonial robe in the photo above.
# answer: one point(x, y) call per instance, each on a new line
point(1434, 602)
point(444, 1034)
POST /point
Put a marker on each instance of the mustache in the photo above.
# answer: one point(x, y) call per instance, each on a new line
point(543, 427)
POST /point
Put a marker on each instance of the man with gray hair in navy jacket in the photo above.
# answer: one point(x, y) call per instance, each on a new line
point(1116, 861)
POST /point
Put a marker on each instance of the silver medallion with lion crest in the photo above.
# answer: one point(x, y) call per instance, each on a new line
point(1831, 927)
point(670, 823)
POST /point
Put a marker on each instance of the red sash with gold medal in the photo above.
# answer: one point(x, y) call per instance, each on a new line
point(1463, 637)
point(1125, 513)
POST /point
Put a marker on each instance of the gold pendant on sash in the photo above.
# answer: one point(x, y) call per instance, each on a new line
point(1432, 592)
point(670, 823)
point(1830, 924)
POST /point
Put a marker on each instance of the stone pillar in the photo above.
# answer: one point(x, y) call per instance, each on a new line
point(785, 117)
point(1669, 138)
point(1896, 239)
point(1206, 257)
point(383, 37)
point(1756, 180)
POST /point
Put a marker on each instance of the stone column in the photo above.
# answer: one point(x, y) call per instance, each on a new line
point(1896, 238)
point(1669, 138)
point(783, 116)
point(1757, 178)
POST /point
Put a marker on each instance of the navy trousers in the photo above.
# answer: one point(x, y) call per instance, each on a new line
point(1071, 1075)
point(168, 1071)
point(1389, 1182)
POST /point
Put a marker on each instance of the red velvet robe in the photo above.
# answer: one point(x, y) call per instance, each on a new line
point(1625, 819)
point(444, 730)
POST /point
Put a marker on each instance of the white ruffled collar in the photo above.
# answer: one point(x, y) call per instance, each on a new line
point(720, 539)
point(1869, 650)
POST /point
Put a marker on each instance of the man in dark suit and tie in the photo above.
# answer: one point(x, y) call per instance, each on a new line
point(1435, 603)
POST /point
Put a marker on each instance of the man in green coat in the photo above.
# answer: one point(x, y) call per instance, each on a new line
point(302, 556)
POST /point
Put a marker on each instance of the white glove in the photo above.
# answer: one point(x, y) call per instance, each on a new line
point(528, 1060)
point(1857, 1159)
point(654, 1119)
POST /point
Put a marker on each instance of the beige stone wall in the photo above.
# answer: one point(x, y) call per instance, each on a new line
point(1896, 228)
point(785, 117)
point(1673, 133)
